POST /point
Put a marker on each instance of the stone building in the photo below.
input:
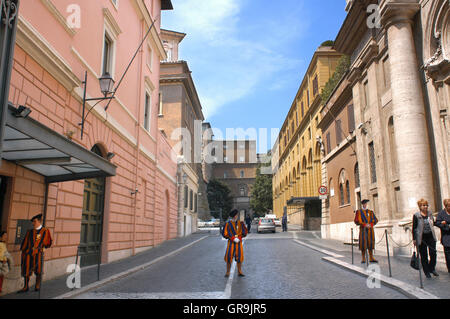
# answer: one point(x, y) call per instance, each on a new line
point(236, 167)
point(399, 77)
point(111, 194)
point(298, 176)
point(180, 118)
point(339, 164)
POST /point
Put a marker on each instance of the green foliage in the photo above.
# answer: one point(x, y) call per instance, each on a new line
point(328, 43)
point(342, 67)
point(261, 200)
point(219, 196)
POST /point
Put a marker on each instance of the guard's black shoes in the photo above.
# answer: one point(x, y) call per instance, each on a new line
point(427, 275)
point(435, 273)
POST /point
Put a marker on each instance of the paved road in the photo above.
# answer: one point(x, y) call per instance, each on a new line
point(276, 267)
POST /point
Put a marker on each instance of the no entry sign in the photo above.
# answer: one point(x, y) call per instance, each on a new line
point(323, 190)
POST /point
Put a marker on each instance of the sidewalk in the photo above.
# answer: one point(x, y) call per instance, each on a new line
point(400, 268)
point(56, 287)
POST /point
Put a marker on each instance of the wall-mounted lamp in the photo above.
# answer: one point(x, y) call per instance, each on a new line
point(110, 155)
point(106, 87)
point(363, 128)
point(22, 111)
point(134, 192)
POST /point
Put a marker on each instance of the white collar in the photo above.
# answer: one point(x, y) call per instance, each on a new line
point(39, 227)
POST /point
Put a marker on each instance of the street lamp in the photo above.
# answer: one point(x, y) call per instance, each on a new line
point(106, 87)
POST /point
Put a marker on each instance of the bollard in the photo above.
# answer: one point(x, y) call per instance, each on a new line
point(388, 255)
point(352, 248)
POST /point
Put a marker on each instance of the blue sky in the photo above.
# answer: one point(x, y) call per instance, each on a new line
point(248, 57)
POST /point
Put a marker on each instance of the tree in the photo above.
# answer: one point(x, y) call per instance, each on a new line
point(219, 196)
point(261, 200)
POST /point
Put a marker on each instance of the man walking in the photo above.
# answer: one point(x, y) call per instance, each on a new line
point(284, 222)
point(32, 252)
point(443, 222)
point(234, 231)
point(366, 220)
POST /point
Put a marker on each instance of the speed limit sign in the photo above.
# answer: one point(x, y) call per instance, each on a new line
point(323, 190)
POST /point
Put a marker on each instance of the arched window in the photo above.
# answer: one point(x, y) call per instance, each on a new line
point(341, 194)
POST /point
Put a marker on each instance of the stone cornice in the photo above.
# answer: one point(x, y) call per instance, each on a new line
point(398, 11)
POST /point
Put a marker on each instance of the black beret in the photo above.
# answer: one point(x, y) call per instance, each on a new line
point(365, 201)
point(39, 217)
point(234, 212)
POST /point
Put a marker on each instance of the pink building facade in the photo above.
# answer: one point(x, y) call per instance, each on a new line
point(57, 43)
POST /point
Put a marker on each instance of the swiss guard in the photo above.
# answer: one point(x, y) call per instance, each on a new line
point(366, 220)
point(234, 231)
point(32, 252)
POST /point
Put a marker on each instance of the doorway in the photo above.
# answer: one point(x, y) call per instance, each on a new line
point(4, 180)
point(92, 219)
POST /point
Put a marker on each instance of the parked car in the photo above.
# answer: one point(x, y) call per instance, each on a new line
point(201, 223)
point(266, 224)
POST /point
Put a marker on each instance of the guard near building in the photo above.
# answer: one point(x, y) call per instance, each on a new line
point(32, 252)
point(366, 220)
point(234, 231)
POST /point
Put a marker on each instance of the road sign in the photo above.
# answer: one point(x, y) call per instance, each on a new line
point(323, 190)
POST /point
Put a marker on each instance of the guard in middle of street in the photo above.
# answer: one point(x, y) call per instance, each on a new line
point(234, 231)
point(366, 220)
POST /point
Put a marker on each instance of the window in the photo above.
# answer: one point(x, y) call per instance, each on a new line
point(341, 194)
point(196, 203)
point(309, 133)
point(307, 95)
point(242, 174)
point(296, 118)
point(357, 182)
point(387, 73)
point(242, 191)
point(328, 143)
point(191, 200)
point(107, 55)
point(147, 111)
point(338, 131)
point(347, 191)
point(303, 109)
point(225, 175)
point(185, 196)
point(351, 118)
point(373, 169)
point(242, 159)
point(225, 159)
point(315, 86)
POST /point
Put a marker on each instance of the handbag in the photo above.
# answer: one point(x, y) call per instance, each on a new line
point(414, 261)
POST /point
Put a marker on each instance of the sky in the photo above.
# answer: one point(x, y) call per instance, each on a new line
point(248, 57)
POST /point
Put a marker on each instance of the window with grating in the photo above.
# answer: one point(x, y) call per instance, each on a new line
point(351, 118)
point(338, 132)
point(315, 86)
point(328, 143)
point(373, 168)
point(347, 191)
point(357, 182)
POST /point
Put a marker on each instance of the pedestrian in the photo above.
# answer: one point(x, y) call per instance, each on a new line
point(5, 258)
point(284, 222)
point(366, 220)
point(425, 238)
point(443, 222)
point(248, 221)
point(234, 231)
point(32, 249)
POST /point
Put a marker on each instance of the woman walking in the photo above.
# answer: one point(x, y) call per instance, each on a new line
point(425, 238)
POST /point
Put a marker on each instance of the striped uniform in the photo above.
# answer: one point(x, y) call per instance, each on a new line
point(366, 235)
point(32, 248)
point(231, 231)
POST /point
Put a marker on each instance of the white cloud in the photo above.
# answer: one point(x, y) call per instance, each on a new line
point(229, 63)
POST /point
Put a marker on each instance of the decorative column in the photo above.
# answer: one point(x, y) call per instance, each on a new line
point(412, 143)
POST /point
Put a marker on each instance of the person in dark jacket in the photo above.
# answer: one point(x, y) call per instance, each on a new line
point(443, 222)
point(248, 221)
point(425, 238)
point(284, 222)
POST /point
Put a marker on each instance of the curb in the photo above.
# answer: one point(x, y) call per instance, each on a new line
point(404, 288)
point(123, 274)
